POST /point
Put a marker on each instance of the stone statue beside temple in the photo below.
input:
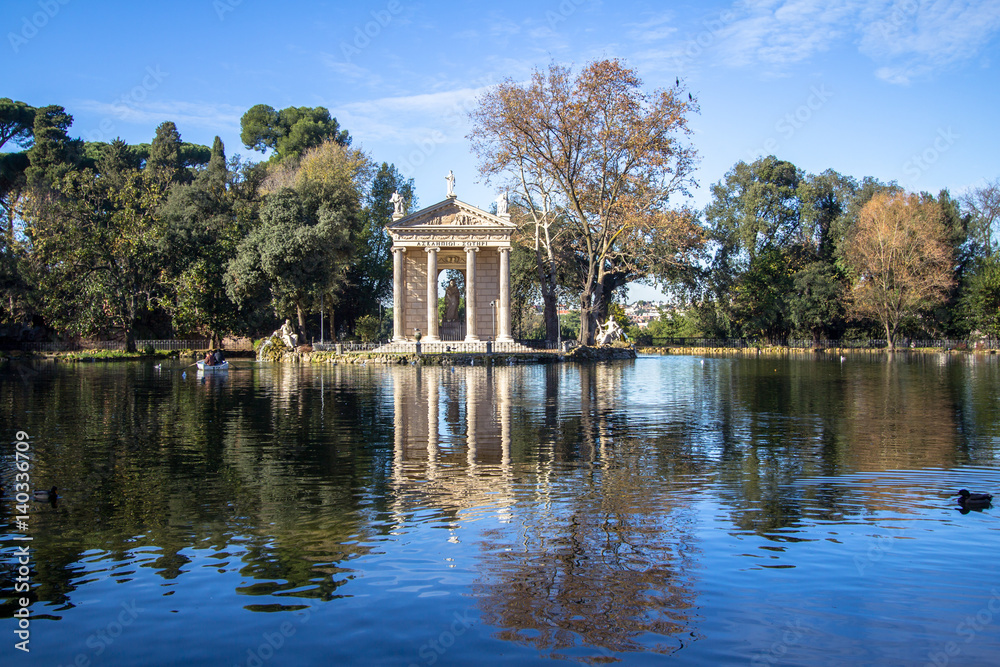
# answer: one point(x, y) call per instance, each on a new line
point(451, 299)
point(397, 204)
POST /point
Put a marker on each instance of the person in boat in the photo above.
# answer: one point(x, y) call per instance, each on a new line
point(209, 360)
point(217, 357)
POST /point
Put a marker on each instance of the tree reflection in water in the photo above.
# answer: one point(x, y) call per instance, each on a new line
point(589, 560)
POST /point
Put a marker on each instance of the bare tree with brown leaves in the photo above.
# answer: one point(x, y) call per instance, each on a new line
point(899, 258)
point(609, 156)
point(983, 204)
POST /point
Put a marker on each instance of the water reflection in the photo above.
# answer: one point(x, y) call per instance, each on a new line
point(452, 441)
point(584, 512)
point(589, 558)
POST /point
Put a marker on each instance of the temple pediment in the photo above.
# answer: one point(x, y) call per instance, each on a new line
point(450, 215)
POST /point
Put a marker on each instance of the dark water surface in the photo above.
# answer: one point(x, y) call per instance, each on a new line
point(696, 511)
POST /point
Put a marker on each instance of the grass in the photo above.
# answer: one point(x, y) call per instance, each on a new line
point(116, 355)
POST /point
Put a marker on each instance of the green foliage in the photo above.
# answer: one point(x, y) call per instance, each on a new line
point(368, 286)
point(106, 238)
point(816, 303)
point(981, 300)
point(756, 208)
point(17, 121)
point(296, 252)
point(290, 132)
point(95, 247)
point(369, 329)
point(202, 231)
point(569, 325)
point(672, 323)
point(165, 153)
point(53, 154)
point(778, 238)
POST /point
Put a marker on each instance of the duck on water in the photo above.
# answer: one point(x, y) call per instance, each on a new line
point(974, 500)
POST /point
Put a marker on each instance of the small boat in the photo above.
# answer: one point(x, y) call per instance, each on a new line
point(202, 366)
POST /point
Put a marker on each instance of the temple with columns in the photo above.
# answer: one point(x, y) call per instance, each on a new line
point(451, 235)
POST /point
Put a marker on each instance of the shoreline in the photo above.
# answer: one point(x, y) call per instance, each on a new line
point(802, 351)
point(582, 353)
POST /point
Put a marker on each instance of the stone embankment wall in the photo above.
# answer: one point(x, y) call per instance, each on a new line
point(833, 352)
point(305, 356)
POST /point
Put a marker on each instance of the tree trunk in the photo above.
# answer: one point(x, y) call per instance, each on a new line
point(586, 336)
point(302, 321)
point(551, 315)
point(889, 335)
point(545, 264)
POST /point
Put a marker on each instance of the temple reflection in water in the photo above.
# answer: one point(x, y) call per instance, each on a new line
point(590, 558)
point(445, 421)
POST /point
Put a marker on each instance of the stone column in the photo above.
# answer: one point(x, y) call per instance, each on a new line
point(503, 326)
point(470, 294)
point(432, 295)
point(398, 294)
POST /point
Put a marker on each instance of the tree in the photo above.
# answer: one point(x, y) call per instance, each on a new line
point(94, 246)
point(947, 318)
point(17, 121)
point(165, 154)
point(981, 297)
point(200, 238)
point(539, 229)
point(290, 132)
point(309, 220)
point(16, 127)
point(824, 202)
point(899, 259)
point(755, 222)
point(983, 205)
point(53, 154)
point(608, 155)
point(369, 278)
point(816, 303)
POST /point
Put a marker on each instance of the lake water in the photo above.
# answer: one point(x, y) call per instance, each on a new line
point(683, 509)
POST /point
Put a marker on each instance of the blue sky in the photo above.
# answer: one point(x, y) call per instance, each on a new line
point(903, 90)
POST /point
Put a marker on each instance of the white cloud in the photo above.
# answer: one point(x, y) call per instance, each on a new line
point(785, 32)
point(218, 117)
point(412, 118)
point(914, 40)
point(345, 69)
point(904, 38)
point(654, 29)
